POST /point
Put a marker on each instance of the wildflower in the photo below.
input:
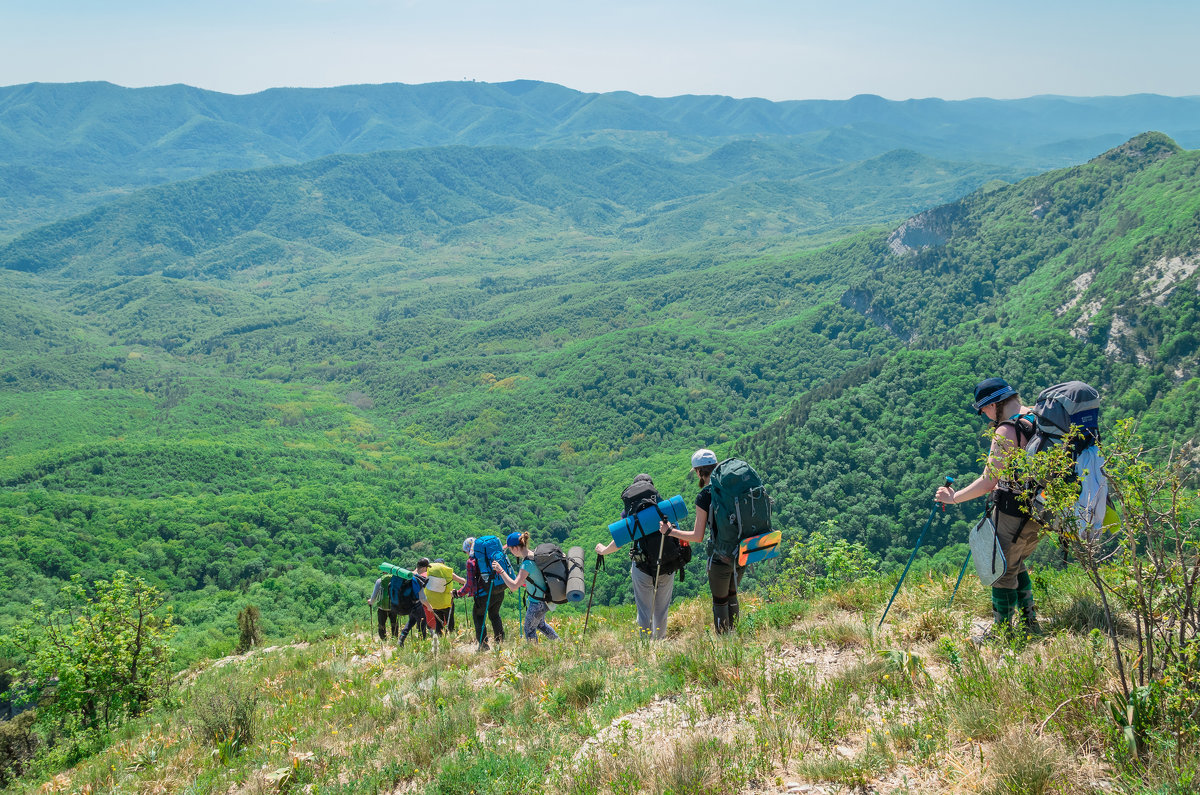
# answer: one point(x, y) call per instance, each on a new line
point(928, 736)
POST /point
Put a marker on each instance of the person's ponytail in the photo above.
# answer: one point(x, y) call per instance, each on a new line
point(525, 539)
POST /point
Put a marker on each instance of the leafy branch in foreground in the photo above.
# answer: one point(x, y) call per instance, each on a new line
point(1144, 566)
point(100, 658)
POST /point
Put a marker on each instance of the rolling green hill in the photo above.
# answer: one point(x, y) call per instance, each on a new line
point(252, 386)
point(376, 210)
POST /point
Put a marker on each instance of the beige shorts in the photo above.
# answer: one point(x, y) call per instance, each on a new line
point(1015, 552)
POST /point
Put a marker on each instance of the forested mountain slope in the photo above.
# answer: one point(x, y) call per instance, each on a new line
point(275, 433)
point(1086, 273)
point(67, 147)
point(379, 209)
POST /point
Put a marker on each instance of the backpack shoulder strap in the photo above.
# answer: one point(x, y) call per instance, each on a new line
point(1022, 424)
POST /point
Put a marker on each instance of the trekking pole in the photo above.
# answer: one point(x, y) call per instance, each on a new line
point(960, 576)
point(587, 614)
point(487, 607)
point(921, 537)
point(662, 542)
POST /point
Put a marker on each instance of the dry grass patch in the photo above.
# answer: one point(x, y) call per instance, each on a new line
point(1023, 763)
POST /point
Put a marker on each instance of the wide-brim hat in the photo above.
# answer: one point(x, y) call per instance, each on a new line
point(992, 390)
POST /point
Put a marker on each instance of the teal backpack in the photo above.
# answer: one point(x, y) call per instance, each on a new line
point(740, 507)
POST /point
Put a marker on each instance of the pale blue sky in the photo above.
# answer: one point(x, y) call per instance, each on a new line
point(777, 50)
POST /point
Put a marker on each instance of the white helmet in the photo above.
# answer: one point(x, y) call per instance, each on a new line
point(703, 458)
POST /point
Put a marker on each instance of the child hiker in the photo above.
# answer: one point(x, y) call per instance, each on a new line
point(535, 585)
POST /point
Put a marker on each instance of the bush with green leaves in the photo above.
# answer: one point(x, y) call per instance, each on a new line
point(102, 656)
point(820, 562)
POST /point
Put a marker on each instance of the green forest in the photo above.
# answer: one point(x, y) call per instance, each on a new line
point(255, 386)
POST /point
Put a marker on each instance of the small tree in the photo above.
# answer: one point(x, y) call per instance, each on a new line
point(1147, 567)
point(249, 629)
point(98, 658)
point(820, 562)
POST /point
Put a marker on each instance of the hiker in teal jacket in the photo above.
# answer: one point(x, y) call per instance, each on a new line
point(723, 575)
point(532, 579)
point(1016, 530)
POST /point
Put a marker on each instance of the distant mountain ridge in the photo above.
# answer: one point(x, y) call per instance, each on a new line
point(74, 144)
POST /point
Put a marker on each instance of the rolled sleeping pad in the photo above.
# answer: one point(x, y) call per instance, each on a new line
point(763, 547)
point(575, 578)
point(646, 521)
point(389, 568)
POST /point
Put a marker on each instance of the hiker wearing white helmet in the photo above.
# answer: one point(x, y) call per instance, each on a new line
point(723, 575)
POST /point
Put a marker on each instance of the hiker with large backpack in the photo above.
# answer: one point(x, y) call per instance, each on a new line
point(487, 589)
point(734, 505)
point(416, 609)
point(1016, 528)
point(655, 559)
point(385, 608)
point(439, 595)
point(534, 578)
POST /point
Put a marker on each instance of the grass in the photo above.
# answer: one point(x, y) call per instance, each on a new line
point(914, 709)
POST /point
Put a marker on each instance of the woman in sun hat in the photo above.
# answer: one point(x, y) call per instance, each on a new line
point(1017, 531)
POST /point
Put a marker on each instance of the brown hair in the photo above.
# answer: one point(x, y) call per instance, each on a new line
point(525, 539)
point(705, 471)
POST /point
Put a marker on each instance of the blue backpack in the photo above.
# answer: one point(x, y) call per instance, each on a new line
point(404, 594)
point(487, 550)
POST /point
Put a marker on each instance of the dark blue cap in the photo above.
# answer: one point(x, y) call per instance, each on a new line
point(513, 540)
point(993, 390)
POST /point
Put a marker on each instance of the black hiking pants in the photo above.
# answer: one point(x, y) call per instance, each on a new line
point(384, 616)
point(442, 619)
point(416, 618)
point(492, 609)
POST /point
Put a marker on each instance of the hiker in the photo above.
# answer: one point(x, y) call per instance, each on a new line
point(488, 599)
point(416, 614)
point(1016, 531)
point(439, 595)
point(381, 595)
point(530, 577)
point(652, 596)
point(723, 573)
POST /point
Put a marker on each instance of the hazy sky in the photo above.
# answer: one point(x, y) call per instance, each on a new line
point(778, 50)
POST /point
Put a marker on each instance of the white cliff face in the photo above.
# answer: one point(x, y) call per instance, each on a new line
point(1165, 274)
point(926, 230)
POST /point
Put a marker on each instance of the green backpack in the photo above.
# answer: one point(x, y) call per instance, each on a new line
point(740, 507)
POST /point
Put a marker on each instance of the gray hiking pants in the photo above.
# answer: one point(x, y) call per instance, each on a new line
point(652, 609)
point(1015, 550)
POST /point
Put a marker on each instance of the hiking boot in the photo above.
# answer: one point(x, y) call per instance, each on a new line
point(998, 632)
point(721, 618)
point(484, 646)
point(733, 611)
point(1029, 624)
